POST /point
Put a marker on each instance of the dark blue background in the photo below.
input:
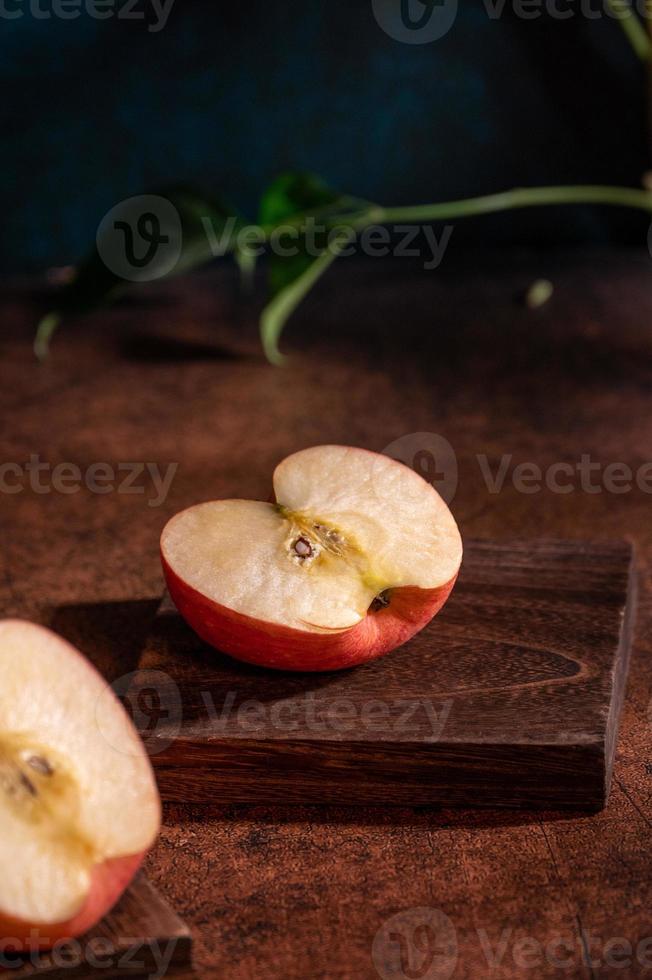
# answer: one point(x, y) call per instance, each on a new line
point(228, 94)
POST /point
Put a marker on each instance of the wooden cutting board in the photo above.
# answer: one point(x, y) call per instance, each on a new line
point(140, 937)
point(510, 697)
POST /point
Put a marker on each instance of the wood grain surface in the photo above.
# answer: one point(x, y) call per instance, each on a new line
point(379, 351)
point(510, 697)
point(141, 937)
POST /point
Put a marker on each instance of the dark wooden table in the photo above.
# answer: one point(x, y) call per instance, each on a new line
point(379, 351)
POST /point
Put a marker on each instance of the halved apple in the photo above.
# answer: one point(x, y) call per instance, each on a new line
point(357, 555)
point(79, 807)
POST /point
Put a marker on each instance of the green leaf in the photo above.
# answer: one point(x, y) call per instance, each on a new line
point(293, 194)
point(209, 227)
point(179, 227)
point(292, 279)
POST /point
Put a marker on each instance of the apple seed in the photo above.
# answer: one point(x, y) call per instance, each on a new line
point(27, 784)
point(303, 548)
point(40, 765)
point(381, 601)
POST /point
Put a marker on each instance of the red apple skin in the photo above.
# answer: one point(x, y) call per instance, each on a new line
point(109, 880)
point(284, 648)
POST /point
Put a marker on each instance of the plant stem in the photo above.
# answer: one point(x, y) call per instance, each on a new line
point(45, 329)
point(635, 31)
point(282, 306)
point(278, 310)
point(520, 197)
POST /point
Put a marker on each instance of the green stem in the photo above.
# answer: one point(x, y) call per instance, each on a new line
point(520, 197)
point(277, 311)
point(634, 29)
point(44, 331)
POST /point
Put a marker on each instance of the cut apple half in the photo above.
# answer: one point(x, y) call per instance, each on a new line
point(355, 556)
point(78, 811)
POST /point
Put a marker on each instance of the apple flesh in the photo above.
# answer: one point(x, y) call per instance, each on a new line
point(356, 555)
point(79, 807)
